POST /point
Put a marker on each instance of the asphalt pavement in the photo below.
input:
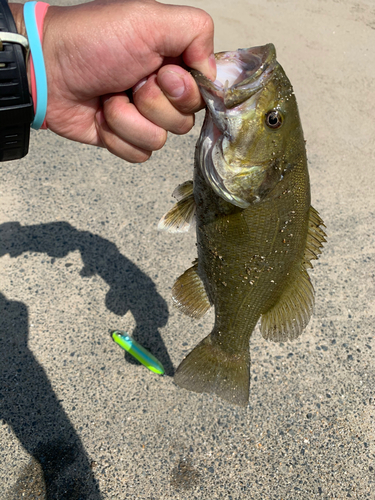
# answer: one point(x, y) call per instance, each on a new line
point(80, 255)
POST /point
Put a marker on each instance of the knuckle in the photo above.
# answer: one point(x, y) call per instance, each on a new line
point(109, 142)
point(138, 156)
point(183, 126)
point(113, 114)
point(159, 140)
point(206, 22)
point(127, 152)
point(146, 98)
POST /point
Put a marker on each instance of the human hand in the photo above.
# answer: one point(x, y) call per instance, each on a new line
point(96, 51)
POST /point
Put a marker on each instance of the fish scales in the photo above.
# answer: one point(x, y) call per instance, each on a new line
point(256, 230)
point(246, 267)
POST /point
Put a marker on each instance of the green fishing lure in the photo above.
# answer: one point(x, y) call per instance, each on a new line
point(124, 340)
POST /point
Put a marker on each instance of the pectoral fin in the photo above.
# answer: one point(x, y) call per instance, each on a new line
point(189, 294)
point(290, 315)
point(183, 190)
point(181, 215)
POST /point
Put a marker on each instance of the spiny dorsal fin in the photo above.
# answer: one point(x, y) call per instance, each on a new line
point(315, 238)
point(180, 217)
point(183, 190)
point(189, 294)
point(289, 316)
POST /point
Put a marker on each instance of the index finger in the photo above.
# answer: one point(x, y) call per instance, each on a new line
point(190, 34)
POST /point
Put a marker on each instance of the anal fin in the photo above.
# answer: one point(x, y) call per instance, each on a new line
point(189, 294)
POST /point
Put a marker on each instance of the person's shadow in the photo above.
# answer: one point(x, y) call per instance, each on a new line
point(27, 400)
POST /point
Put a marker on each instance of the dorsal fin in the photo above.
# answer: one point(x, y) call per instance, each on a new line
point(287, 319)
point(315, 238)
point(189, 294)
point(180, 217)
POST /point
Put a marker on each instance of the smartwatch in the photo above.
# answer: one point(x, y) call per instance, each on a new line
point(16, 106)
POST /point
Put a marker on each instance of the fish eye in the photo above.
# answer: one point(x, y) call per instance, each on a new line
point(274, 119)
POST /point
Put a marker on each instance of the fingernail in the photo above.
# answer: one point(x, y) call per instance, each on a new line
point(207, 67)
point(138, 85)
point(172, 83)
point(106, 97)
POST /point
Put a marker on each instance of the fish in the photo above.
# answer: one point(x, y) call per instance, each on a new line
point(257, 232)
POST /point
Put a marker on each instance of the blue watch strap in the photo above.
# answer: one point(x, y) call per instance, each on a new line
point(38, 61)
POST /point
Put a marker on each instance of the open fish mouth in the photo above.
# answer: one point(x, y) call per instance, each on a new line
point(241, 76)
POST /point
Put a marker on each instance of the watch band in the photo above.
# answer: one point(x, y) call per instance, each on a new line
point(16, 107)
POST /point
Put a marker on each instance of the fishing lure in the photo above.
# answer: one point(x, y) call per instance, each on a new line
point(124, 340)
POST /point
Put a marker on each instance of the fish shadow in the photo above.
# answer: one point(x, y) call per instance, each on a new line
point(60, 467)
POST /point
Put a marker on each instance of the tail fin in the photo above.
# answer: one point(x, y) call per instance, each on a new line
point(208, 368)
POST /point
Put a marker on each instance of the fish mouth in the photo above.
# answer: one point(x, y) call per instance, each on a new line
point(241, 75)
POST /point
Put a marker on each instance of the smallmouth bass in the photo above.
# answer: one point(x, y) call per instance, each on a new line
point(256, 230)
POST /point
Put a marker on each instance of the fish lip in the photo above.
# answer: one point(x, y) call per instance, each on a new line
point(257, 64)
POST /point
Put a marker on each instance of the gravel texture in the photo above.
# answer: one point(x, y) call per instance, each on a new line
point(80, 255)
